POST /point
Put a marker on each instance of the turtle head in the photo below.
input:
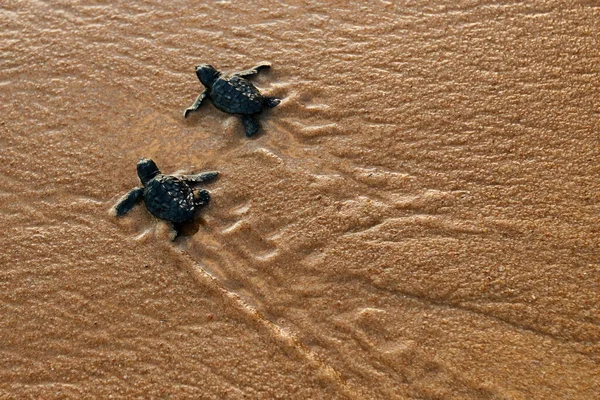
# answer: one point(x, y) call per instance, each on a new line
point(147, 170)
point(207, 74)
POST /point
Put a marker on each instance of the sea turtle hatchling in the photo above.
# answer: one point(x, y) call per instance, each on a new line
point(233, 94)
point(169, 197)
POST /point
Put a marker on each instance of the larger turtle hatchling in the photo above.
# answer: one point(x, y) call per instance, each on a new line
point(168, 197)
point(233, 94)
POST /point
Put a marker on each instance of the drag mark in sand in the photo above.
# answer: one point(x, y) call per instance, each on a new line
point(280, 335)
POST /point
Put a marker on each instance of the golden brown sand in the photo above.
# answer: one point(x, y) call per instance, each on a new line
point(419, 218)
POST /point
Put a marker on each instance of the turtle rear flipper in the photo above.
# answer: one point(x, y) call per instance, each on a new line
point(166, 230)
point(247, 73)
point(126, 203)
point(251, 125)
point(272, 102)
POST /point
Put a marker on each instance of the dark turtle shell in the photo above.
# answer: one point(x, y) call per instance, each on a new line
point(236, 95)
point(169, 198)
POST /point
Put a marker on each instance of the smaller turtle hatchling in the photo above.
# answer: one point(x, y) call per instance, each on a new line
point(168, 197)
point(233, 94)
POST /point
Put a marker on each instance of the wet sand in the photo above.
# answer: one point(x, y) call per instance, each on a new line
point(418, 219)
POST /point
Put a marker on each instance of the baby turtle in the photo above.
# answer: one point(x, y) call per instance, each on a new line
point(169, 197)
point(233, 94)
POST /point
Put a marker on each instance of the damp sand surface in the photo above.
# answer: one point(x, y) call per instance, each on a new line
point(418, 219)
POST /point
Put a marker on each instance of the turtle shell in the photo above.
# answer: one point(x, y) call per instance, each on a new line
point(235, 95)
point(169, 198)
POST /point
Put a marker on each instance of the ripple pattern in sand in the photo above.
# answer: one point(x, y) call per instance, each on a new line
point(417, 221)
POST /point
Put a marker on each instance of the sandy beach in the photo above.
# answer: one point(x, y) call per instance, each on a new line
point(418, 219)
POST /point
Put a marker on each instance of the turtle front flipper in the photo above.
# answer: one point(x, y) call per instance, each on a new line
point(247, 73)
point(250, 125)
point(196, 105)
point(199, 178)
point(126, 203)
point(201, 198)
